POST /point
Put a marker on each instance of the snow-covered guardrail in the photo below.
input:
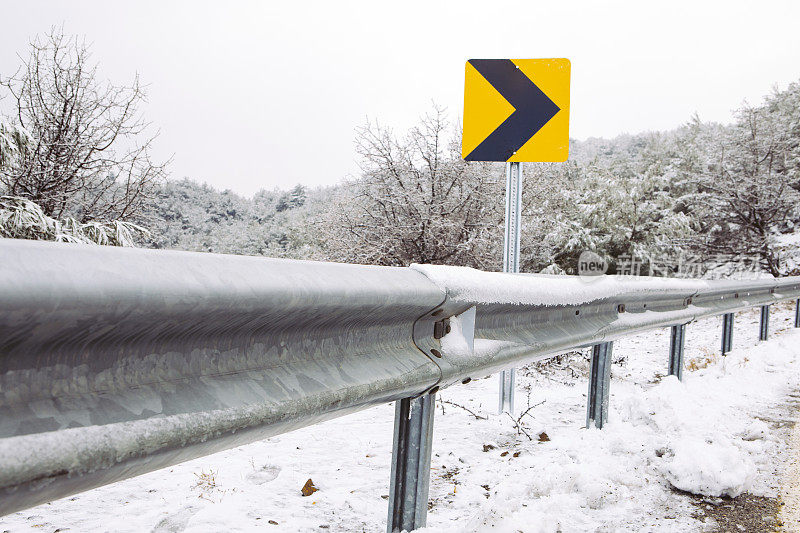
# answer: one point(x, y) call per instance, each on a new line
point(115, 362)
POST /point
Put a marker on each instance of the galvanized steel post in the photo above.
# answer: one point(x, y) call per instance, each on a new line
point(599, 383)
point(507, 378)
point(411, 463)
point(763, 327)
point(676, 342)
point(727, 332)
point(797, 314)
point(511, 264)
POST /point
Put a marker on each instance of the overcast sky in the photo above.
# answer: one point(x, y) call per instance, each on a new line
point(252, 95)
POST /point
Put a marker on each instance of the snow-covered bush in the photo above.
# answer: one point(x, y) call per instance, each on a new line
point(14, 142)
point(21, 218)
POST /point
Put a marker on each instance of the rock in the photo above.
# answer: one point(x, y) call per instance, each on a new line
point(543, 437)
point(487, 447)
point(309, 488)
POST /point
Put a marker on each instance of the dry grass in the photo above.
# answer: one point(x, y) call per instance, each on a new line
point(705, 360)
point(206, 483)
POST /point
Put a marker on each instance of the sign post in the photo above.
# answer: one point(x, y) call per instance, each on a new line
point(511, 264)
point(515, 110)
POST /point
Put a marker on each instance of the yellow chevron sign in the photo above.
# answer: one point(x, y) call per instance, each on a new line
point(516, 110)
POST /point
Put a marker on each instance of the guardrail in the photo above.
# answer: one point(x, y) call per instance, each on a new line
point(115, 362)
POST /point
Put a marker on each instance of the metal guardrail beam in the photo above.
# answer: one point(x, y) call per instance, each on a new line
point(532, 316)
point(115, 362)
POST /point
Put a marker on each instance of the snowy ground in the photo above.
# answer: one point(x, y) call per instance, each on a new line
point(706, 434)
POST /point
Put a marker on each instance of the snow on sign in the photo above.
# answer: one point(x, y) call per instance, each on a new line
point(516, 110)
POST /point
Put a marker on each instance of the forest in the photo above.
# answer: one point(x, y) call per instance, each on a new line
point(704, 199)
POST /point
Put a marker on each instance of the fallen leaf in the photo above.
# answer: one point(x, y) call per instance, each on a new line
point(309, 488)
point(543, 437)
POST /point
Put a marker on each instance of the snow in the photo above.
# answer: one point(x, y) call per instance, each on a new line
point(710, 465)
point(718, 432)
point(460, 341)
point(465, 284)
point(788, 239)
point(709, 468)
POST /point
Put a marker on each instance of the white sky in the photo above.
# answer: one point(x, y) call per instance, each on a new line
point(252, 95)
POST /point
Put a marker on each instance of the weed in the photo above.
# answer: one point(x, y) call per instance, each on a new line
point(519, 422)
point(206, 483)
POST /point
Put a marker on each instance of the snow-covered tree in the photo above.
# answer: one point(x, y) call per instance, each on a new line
point(746, 188)
point(613, 198)
point(89, 152)
point(189, 216)
point(417, 201)
point(291, 199)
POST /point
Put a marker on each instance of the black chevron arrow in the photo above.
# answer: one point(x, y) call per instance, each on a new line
point(532, 110)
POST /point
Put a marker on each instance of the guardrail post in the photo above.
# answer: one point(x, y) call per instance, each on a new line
point(727, 332)
point(797, 313)
point(763, 329)
point(411, 463)
point(507, 378)
point(676, 351)
point(599, 382)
